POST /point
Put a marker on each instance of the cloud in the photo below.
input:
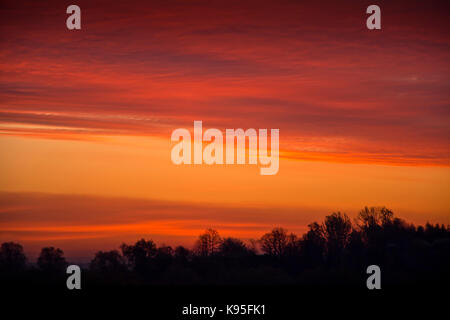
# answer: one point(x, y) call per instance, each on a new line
point(315, 72)
point(35, 210)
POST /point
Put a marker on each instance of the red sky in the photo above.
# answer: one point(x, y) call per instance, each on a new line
point(363, 115)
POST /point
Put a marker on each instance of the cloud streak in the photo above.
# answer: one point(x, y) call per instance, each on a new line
point(313, 71)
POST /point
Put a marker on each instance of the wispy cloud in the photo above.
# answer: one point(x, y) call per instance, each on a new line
point(313, 71)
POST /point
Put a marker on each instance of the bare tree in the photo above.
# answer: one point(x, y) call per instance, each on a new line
point(276, 242)
point(373, 217)
point(337, 229)
point(208, 243)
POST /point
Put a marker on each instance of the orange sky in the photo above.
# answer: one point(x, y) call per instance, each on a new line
point(86, 117)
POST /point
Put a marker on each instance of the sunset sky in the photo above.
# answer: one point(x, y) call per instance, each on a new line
point(86, 117)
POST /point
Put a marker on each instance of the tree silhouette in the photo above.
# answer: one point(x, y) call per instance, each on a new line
point(333, 251)
point(52, 260)
point(140, 254)
point(356, 249)
point(313, 245)
point(234, 248)
point(337, 228)
point(293, 246)
point(163, 257)
point(108, 262)
point(182, 254)
point(12, 258)
point(275, 242)
point(373, 218)
point(208, 243)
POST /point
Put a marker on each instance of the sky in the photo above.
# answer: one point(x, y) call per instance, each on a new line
point(86, 117)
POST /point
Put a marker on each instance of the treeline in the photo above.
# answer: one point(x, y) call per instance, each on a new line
point(334, 251)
